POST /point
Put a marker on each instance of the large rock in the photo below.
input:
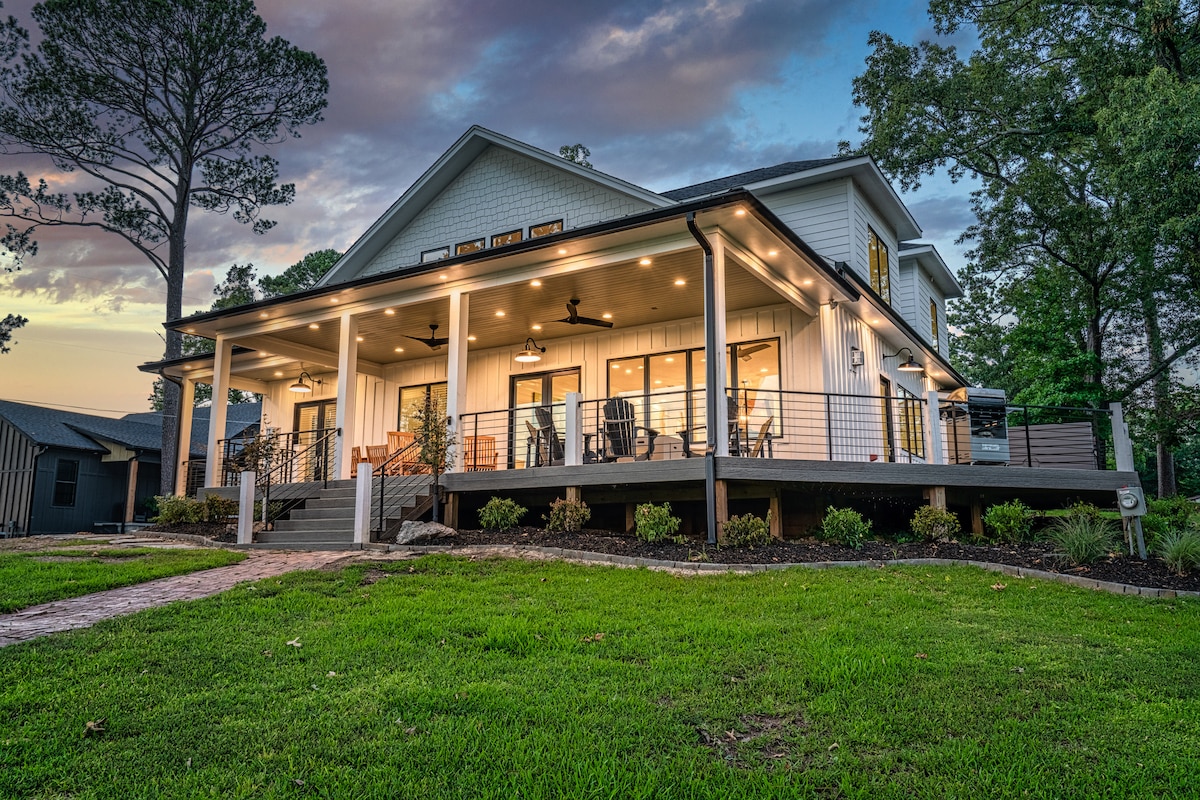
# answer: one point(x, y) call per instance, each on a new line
point(413, 532)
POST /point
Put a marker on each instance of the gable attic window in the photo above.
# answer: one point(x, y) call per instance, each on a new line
point(436, 254)
point(473, 246)
point(512, 237)
point(545, 229)
point(880, 279)
point(933, 323)
point(66, 479)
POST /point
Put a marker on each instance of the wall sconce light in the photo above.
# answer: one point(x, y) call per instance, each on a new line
point(531, 352)
point(857, 358)
point(300, 387)
point(910, 365)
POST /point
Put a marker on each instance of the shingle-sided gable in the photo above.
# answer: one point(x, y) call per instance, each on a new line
point(501, 191)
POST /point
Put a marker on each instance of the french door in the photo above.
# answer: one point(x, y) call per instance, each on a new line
point(312, 422)
point(533, 443)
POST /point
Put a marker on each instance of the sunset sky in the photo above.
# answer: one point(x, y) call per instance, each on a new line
point(663, 93)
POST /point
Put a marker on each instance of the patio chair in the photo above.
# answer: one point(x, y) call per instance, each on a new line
point(377, 454)
point(479, 453)
point(620, 432)
point(355, 458)
point(549, 445)
point(764, 437)
point(734, 432)
point(408, 463)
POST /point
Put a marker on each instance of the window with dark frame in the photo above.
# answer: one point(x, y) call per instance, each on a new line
point(66, 481)
point(545, 229)
point(436, 254)
point(473, 246)
point(912, 423)
point(413, 398)
point(512, 237)
point(880, 275)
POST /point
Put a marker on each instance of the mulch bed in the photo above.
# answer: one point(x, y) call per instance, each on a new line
point(1033, 555)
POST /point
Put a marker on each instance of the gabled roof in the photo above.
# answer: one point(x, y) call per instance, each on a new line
point(928, 257)
point(49, 427)
point(443, 172)
point(746, 178)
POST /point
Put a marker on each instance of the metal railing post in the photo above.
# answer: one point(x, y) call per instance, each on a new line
point(828, 429)
point(1028, 436)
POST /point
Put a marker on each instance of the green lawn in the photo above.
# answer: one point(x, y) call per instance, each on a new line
point(451, 678)
point(30, 578)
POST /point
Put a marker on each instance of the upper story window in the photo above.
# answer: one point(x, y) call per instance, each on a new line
point(66, 479)
point(880, 277)
point(933, 323)
point(545, 229)
point(436, 254)
point(473, 246)
point(512, 237)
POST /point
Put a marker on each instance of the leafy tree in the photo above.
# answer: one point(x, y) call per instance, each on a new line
point(1070, 115)
point(302, 275)
point(577, 154)
point(161, 106)
point(7, 325)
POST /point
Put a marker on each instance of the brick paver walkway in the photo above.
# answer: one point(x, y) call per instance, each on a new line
point(81, 612)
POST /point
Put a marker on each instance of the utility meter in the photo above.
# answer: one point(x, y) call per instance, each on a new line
point(1131, 501)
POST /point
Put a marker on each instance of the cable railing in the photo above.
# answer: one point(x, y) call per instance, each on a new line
point(404, 485)
point(1047, 437)
point(512, 438)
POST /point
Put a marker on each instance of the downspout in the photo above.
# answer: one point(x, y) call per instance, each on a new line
point(710, 378)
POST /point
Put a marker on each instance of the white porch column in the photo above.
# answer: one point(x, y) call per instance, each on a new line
point(933, 429)
point(245, 531)
point(456, 370)
point(573, 444)
point(347, 391)
point(187, 401)
point(362, 507)
point(720, 343)
point(222, 355)
point(1122, 445)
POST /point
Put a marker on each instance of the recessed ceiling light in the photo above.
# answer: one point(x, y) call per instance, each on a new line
point(389, 311)
point(658, 383)
point(616, 366)
point(358, 338)
point(874, 322)
point(606, 315)
point(264, 314)
point(443, 277)
point(263, 354)
point(741, 212)
point(628, 372)
point(278, 374)
point(313, 326)
point(772, 252)
point(562, 251)
point(645, 262)
point(334, 300)
point(764, 369)
point(535, 283)
point(641, 366)
point(470, 338)
point(537, 327)
point(187, 368)
point(670, 359)
point(189, 330)
point(399, 349)
point(499, 313)
point(807, 281)
point(680, 282)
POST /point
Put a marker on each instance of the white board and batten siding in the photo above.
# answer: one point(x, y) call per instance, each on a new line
point(18, 455)
point(820, 215)
point(501, 191)
point(864, 216)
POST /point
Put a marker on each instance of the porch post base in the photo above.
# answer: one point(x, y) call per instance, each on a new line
point(936, 495)
point(630, 517)
point(362, 507)
point(574, 494)
point(722, 508)
point(452, 505)
point(245, 531)
point(977, 517)
point(776, 513)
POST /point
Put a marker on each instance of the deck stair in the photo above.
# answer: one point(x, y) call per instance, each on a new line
point(326, 522)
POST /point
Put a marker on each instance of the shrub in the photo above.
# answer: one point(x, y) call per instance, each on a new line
point(748, 530)
point(501, 513)
point(1176, 511)
point(1156, 529)
point(1181, 550)
point(845, 526)
point(175, 510)
point(1083, 539)
point(935, 523)
point(216, 508)
point(1008, 522)
point(1086, 510)
point(567, 515)
point(654, 523)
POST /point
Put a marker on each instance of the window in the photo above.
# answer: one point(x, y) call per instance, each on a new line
point(933, 323)
point(880, 279)
point(512, 237)
point(66, 479)
point(473, 246)
point(414, 398)
point(545, 229)
point(436, 254)
point(912, 424)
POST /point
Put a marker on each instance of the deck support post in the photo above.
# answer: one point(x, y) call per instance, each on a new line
point(245, 529)
point(347, 395)
point(936, 495)
point(222, 355)
point(722, 508)
point(630, 517)
point(456, 372)
point(574, 494)
point(977, 516)
point(453, 501)
point(776, 513)
point(183, 451)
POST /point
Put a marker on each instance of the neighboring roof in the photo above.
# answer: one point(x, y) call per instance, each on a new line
point(746, 178)
point(928, 257)
point(49, 427)
point(441, 174)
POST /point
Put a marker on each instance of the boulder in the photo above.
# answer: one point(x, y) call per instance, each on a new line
point(413, 532)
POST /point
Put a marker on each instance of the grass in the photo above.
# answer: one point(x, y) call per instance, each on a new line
point(30, 578)
point(446, 678)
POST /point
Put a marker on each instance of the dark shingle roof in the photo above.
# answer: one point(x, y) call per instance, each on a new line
point(746, 178)
point(143, 431)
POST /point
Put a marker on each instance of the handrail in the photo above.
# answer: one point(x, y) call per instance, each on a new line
point(394, 486)
point(281, 473)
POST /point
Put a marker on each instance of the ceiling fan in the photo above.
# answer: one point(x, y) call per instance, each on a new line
point(433, 341)
point(573, 317)
point(744, 353)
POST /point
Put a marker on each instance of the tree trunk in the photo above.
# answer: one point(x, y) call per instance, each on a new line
point(1160, 391)
point(171, 439)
